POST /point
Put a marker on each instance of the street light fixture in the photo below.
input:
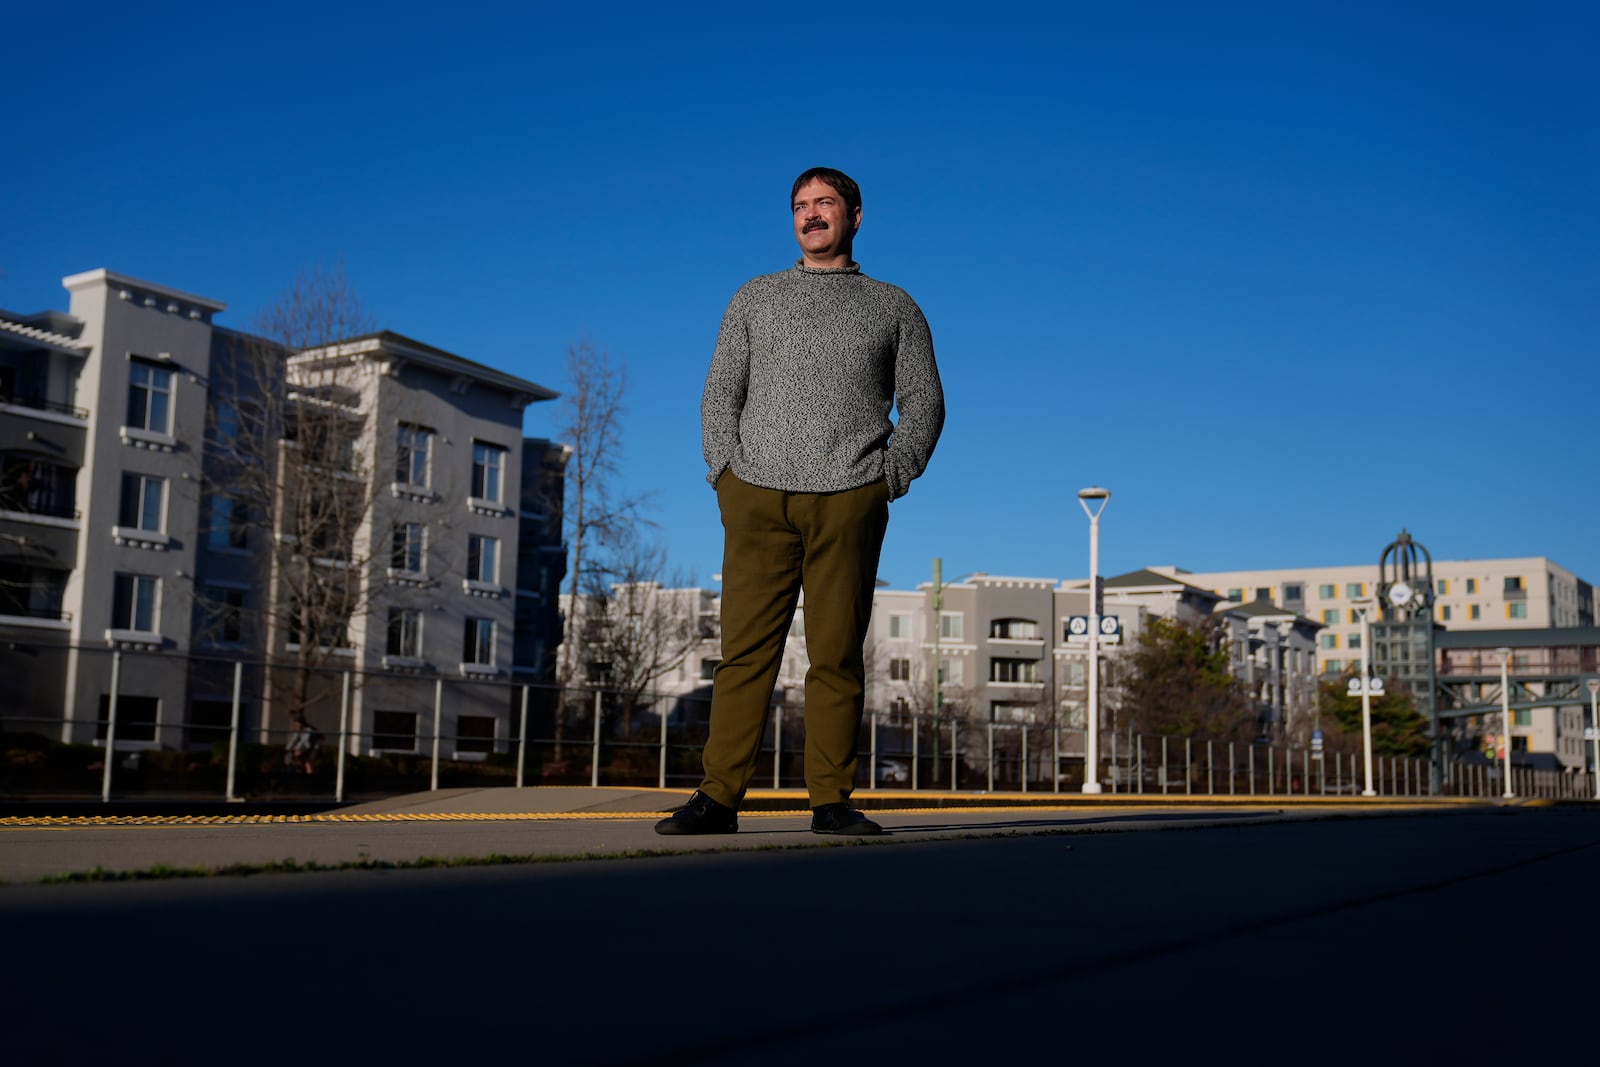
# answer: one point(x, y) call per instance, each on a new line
point(1505, 715)
point(1365, 607)
point(1093, 501)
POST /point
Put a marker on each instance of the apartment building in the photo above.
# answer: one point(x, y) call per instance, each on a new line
point(1010, 649)
point(191, 496)
point(1529, 592)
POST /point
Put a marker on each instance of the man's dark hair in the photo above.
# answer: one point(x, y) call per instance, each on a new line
point(841, 183)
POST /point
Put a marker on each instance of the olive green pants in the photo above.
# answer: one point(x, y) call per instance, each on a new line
point(777, 544)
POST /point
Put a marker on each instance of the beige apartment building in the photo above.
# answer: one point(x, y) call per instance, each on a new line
point(1529, 592)
point(153, 467)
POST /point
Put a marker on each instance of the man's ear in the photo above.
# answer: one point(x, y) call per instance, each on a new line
point(857, 227)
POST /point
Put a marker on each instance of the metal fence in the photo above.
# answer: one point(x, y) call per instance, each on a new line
point(190, 728)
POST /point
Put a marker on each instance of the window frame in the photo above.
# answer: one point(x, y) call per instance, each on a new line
point(128, 604)
point(159, 386)
point(140, 499)
point(488, 459)
point(409, 452)
point(476, 571)
point(478, 641)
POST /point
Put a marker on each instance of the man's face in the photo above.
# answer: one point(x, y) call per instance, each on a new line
point(822, 225)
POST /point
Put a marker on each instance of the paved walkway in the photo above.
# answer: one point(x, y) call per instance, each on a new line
point(1268, 933)
point(554, 822)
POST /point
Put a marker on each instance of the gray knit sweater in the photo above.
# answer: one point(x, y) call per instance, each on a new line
point(807, 366)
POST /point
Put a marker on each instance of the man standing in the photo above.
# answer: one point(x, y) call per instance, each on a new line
point(804, 458)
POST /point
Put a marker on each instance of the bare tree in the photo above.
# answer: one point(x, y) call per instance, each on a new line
point(289, 475)
point(595, 512)
point(641, 624)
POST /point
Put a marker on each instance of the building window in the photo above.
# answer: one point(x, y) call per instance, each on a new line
point(1293, 591)
point(900, 669)
point(900, 626)
point(1014, 630)
point(488, 462)
point(1353, 641)
point(1515, 584)
point(1329, 641)
point(408, 547)
point(477, 641)
point(1518, 610)
point(1010, 711)
point(394, 731)
point(411, 461)
point(230, 523)
point(1330, 617)
point(475, 733)
point(951, 672)
point(708, 667)
point(142, 497)
point(1235, 595)
point(209, 721)
point(952, 627)
point(224, 425)
point(136, 717)
point(483, 558)
point(1013, 670)
point(1522, 717)
point(1355, 590)
point(1474, 613)
point(133, 602)
point(1472, 585)
point(37, 487)
point(1355, 617)
point(1327, 592)
point(1332, 666)
point(405, 633)
point(230, 615)
point(1443, 586)
point(149, 397)
point(329, 622)
point(1444, 612)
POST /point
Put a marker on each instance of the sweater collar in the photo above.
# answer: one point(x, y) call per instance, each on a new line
point(800, 265)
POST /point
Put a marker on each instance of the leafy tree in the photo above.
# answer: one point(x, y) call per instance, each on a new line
point(1178, 684)
point(1398, 729)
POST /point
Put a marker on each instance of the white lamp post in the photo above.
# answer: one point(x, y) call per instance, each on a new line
point(1594, 737)
point(1505, 715)
point(1365, 607)
point(1093, 501)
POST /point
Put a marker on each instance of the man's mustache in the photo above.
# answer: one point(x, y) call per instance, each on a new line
point(814, 224)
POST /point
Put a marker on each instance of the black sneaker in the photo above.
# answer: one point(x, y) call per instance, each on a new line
point(841, 818)
point(701, 815)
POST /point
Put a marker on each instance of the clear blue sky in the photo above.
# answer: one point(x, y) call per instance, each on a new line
point(1284, 277)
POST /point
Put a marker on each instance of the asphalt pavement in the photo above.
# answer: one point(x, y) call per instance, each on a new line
point(1130, 931)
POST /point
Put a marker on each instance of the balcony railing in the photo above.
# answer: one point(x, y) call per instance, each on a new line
point(49, 508)
point(24, 611)
point(46, 405)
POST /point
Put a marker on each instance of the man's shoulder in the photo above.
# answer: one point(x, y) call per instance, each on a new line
point(886, 289)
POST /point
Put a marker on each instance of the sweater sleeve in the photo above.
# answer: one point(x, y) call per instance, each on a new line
point(919, 396)
point(726, 385)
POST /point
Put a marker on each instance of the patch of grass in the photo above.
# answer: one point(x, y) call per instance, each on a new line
point(162, 872)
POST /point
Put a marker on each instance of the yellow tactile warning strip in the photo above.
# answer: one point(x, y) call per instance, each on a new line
point(68, 821)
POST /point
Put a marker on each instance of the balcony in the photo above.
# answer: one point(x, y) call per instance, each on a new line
point(34, 617)
point(31, 404)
